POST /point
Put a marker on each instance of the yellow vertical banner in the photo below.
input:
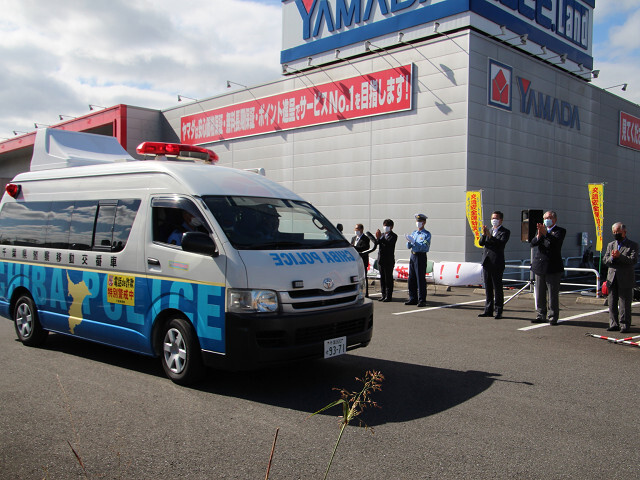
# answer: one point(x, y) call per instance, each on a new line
point(474, 215)
point(596, 197)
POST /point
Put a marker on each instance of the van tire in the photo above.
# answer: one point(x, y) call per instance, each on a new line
point(181, 355)
point(27, 323)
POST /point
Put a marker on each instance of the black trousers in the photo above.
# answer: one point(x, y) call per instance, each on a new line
point(494, 294)
point(386, 277)
point(417, 280)
point(365, 262)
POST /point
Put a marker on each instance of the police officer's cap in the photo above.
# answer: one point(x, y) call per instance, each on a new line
point(421, 216)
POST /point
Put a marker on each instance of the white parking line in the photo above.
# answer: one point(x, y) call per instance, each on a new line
point(523, 329)
point(418, 310)
point(581, 315)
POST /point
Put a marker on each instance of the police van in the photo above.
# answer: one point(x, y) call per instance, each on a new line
point(174, 257)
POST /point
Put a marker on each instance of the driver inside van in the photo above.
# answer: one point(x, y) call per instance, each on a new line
point(190, 223)
point(267, 228)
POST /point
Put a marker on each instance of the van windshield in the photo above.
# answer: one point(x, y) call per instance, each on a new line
point(258, 223)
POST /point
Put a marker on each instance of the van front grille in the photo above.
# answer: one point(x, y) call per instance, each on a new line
point(312, 334)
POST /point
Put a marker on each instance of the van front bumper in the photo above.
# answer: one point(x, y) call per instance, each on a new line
point(260, 340)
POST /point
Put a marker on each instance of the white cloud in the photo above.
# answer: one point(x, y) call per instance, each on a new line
point(616, 51)
point(606, 8)
point(626, 37)
point(57, 57)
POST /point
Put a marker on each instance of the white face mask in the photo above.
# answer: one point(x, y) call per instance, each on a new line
point(548, 222)
point(495, 222)
point(387, 229)
point(419, 225)
point(196, 222)
point(357, 233)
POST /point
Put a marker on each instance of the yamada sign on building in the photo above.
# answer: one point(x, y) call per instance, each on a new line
point(532, 102)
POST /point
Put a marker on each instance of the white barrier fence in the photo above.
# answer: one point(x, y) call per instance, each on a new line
point(468, 273)
point(440, 273)
point(595, 286)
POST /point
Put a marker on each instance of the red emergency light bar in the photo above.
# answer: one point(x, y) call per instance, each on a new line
point(179, 150)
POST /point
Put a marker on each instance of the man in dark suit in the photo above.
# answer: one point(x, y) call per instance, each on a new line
point(621, 258)
point(386, 258)
point(493, 240)
point(362, 244)
point(548, 267)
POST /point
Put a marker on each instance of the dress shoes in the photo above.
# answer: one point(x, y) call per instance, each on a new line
point(498, 316)
point(624, 329)
point(381, 299)
point(485, 314)
point(422, 304)
point(410, 302)
point(553, 322)
point(538, 320)
point(614, 328)
point(387, 299)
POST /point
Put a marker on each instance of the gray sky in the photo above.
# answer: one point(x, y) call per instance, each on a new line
point(57, 57)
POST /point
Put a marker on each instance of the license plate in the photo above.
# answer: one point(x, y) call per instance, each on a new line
point(335, 347)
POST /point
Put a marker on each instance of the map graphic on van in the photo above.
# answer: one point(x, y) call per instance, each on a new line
point(78, 292)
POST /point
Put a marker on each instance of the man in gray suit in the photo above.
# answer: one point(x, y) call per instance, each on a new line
point(548, 267)
point(621, 258)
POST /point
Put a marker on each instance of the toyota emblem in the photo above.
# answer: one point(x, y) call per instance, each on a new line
point(327, 283)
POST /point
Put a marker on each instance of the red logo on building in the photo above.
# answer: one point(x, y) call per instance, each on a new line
point(499, 85)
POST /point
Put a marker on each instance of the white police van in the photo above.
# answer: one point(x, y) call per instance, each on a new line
point(198, 264)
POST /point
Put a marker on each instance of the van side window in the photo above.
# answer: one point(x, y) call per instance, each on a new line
point(104, 226)
point(24, 223)
point(171, 217)
point(82, 221)
point(125, 215)
point(81, 225)
point(58, 224)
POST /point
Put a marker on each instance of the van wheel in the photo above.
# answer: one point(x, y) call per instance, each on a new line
point(181, 354)
point(28, 328)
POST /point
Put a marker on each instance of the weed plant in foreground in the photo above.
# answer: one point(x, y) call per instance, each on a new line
point(353, 404)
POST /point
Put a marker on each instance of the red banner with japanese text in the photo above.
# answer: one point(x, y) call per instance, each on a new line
point(629, 131)
point(474, 215)
point(370, 94)
point(596, 197)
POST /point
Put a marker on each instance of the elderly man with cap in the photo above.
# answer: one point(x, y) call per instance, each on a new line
point(419, 242)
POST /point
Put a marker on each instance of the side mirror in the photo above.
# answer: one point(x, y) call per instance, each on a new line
point(198, 242)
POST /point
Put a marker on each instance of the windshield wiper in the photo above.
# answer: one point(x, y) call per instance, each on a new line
point(274, 246)
point(336, 242)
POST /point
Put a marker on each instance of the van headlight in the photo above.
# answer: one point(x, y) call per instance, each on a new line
point(362, 288)
point(251, 301)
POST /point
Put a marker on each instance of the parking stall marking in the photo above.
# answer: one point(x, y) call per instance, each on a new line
point(417, 310)
point(560, 320)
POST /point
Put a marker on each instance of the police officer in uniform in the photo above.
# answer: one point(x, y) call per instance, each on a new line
point(419, 241)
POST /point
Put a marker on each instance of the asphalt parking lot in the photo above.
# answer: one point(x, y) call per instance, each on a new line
point(463, 397)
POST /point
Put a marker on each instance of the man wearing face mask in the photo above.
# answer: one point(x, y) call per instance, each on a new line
point(621, 257)
point(419, 241)
point(362, 244)
point(548, 268)
point(386, 258)
point(190, 224)
point(493, 240)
